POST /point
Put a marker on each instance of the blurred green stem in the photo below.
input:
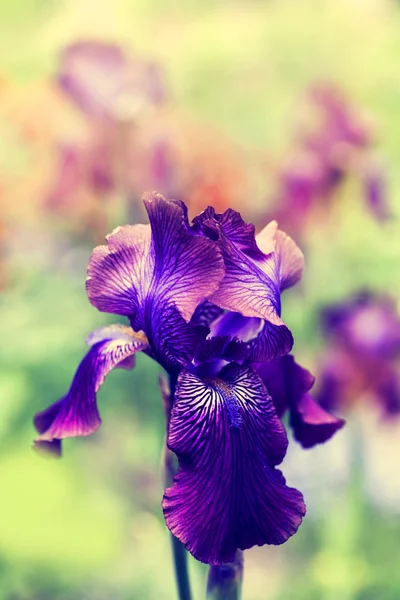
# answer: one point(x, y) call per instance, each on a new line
point(181, 570)
point(225, 581)
point(178, 550)
point(170, 465)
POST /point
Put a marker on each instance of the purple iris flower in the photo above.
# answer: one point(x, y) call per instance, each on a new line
point(338, 144)
point(363, 359)
point(204, 301)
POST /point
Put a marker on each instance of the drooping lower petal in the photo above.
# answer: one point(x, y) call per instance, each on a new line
point(76, 413)
point(227, 493)
point(289, 384)
point(311, 424)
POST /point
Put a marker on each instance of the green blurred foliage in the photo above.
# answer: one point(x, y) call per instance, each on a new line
point(90, 526)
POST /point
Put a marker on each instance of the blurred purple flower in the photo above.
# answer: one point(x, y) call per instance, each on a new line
point(112, 91)
point(131, 139)
point(105, 82)
point(364, 353)
point(175, 281)
point(338, 144)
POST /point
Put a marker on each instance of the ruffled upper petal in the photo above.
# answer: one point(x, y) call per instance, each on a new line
point(287, 260)
point(289, 385)
point(227, 493)
point(76, 413)
point(256, 271)
point(120, 273)
point(157, 275)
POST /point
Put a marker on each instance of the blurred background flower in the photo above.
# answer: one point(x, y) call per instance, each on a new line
point(333, 142)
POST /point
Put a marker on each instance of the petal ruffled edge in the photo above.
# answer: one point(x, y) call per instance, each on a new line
point(227, 493)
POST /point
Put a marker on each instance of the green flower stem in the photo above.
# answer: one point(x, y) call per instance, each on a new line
point(178, 550)
point(170, 467)
point(225, 581)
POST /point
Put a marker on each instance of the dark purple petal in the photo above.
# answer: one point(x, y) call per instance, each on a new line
point(76, 413)
point(288, 384)
point(104, 82)
point(172, 341)
point(240, 233)
point(235, 324)
point(246, 288)
point(273, 341)
point(206, 313)
point(273, 377)
point(311, 423)
point(227, 494)
point(222, 346)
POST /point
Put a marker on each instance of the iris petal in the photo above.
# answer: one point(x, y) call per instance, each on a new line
point(257, 269)
point(186, 266)
point(157, 275)
point(76, 413)
point(227, 493)
point(311, 423)
point(206, 313)
point(289, 384)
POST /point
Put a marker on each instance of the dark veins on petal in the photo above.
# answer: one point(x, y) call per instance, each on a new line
point(257, 269)
point(157, 275)
point(227, 493)
point(76, 413)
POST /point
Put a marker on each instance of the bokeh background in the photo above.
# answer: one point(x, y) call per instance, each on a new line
point(217, 117)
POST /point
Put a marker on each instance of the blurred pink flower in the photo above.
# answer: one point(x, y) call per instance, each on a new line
point(104, 81)
point(336, 143)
